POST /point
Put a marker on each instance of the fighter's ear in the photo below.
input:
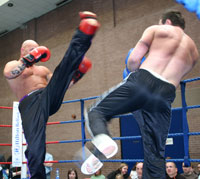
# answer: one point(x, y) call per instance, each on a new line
point(168, 22)
point(176, 169)
point(22, 52)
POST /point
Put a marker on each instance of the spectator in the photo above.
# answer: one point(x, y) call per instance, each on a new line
point(139, 168)
point(198, 168)
point(188, 172)
point(2, 167)
point(48, 166)
point(72, 174)
point(119, 176)
point(98, 175)
point(122, 170)
point(136, 172)
point(133, 173)
point(13, 172)
point(172, 171)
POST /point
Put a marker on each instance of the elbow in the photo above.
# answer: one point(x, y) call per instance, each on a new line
point(6, 73)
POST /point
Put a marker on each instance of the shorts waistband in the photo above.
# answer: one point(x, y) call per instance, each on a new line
point(27, 95)
point(157, 75)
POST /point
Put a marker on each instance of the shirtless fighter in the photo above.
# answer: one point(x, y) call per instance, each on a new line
point(40, 92)
point(171, 54)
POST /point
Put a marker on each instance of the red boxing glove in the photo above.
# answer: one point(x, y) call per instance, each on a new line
point(84, 66)
point(40, 53)
point(89, 24)
point(87, 14)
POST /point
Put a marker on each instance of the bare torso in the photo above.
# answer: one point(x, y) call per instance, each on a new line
point(31, 79)
point(172, 53)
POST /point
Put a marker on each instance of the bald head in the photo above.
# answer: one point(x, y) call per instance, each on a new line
point(27, 46)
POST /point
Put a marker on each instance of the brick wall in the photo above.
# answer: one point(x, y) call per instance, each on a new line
point(122, 24)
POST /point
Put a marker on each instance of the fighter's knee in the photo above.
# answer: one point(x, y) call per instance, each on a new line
point(34, 156)
point(92, 114)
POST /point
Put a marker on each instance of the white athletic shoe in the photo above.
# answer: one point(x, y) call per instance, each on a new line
point(102, 142)
point(91, 165)
point(105, 145)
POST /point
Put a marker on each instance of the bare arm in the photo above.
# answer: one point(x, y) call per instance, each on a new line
point(49, 75)
point(141, 49)
point(13, 69)
point(48, 164)
point(49, 158)
point(195, 54)
point(16, 173)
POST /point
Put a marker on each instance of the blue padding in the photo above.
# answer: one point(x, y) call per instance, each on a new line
point(133, 149)
point(126, 60)
point(180, 1)
point(191, 6)
point(143, 59)
point(198, 10)
point(125, 73)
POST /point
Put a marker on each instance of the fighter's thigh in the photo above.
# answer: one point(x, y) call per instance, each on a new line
point(120, 99)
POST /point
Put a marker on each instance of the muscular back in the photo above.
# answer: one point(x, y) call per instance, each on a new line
point(171, 53)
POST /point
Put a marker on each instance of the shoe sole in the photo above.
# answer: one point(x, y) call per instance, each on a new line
point(91, 165)
point(105, 145)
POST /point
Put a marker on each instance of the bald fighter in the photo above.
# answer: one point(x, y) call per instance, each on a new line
point(40, 92)
point(170, 55)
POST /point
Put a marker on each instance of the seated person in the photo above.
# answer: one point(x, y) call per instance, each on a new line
point(136, 172)
point(13, 172)
point(122, 170)
point(188, 172)
point(198, 169)
point(2, 167)
point(72, 174)
point(172, 171)
point(98, 175)
point(48, 166)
